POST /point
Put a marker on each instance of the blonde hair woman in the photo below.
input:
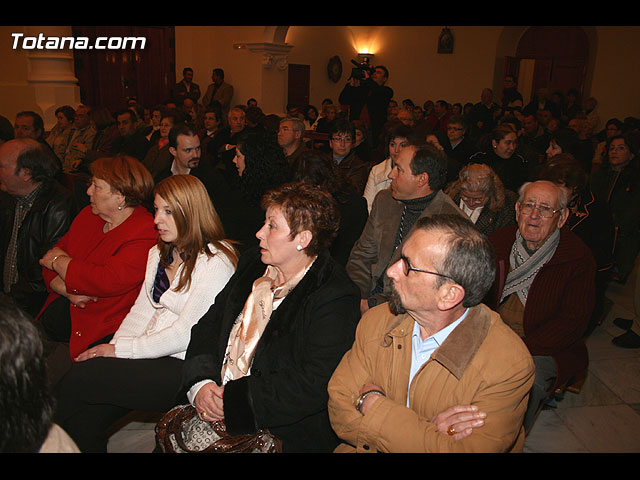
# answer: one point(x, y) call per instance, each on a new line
point(141, 370)
point(198, 227)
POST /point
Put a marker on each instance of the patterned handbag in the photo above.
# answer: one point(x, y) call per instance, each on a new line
point(181, 430)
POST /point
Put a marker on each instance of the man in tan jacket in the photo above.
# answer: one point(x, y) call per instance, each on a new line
point(434, 370)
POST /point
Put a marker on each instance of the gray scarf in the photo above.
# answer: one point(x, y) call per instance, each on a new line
point(525, 266)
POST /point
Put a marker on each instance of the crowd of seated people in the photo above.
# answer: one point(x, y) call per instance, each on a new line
point(176, 219)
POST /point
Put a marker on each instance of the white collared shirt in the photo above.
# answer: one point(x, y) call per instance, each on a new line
point(174, 169)
point(472, 214)
point(421, 350)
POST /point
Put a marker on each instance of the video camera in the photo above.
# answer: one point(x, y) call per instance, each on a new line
point(360, 68)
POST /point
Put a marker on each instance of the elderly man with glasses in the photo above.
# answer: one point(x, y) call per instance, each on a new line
point(545, 287)
point(434, 370)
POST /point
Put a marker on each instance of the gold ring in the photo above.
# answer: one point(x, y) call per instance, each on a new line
point(204, 414)
point(451, 431)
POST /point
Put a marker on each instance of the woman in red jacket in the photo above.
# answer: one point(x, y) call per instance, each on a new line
point(95, 271)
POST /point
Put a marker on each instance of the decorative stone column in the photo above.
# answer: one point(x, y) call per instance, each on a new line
point(51, 74)
point(274, 60)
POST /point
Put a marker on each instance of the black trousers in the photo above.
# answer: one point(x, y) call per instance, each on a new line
point(96, 393)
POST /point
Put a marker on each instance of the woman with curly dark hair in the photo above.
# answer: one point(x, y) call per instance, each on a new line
point(261, 166)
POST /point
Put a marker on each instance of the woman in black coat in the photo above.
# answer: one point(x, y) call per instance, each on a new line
point(501, 156)
point(304, 310)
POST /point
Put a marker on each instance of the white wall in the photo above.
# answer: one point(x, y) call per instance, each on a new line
point(204, 48)
point(616, 76)
point(417, 71)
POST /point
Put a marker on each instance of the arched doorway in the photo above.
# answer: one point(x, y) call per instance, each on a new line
point(551, 57)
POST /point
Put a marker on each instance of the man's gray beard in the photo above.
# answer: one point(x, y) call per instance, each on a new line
point(395, 304)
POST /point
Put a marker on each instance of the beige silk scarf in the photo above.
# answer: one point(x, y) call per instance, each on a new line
point(252, 321)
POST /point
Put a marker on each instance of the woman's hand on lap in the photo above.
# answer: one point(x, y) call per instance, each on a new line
point(103, 350)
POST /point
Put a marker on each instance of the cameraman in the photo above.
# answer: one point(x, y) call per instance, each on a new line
point(368, 97)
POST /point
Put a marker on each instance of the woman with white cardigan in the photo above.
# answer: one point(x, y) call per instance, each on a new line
point(399, 137)
point(140, 368)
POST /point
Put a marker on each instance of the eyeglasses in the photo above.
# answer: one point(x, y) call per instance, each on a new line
point(406, 268)
point(545, 211)
point(477, 201)
point(342, 139)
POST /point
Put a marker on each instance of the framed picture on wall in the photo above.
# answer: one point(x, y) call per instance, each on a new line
point(445, 41)
point(334, 69)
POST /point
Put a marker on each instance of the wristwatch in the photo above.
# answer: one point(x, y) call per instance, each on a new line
point(365, 395)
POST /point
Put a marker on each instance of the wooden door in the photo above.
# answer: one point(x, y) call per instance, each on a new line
point(298, 85)
point(567, 74)
point(109, 77)
point(542, 74)
point(561, 54)
point(154, 72)
point(511, 67)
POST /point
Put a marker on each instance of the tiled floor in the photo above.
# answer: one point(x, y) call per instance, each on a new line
point(137, 435)
point(603, 418)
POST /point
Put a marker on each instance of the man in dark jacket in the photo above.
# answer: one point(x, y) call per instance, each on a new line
point(186, 88)
point(341, 140)
point(483, 115)
point(291, 138)
point(368, 99)
point(131, 141)
point(34, 214)
point(457, 146)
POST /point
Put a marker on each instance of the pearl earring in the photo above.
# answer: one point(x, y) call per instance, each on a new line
point(299, 248)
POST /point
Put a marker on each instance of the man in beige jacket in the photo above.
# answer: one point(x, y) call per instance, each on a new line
point(434, 370)
point(219, 91)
